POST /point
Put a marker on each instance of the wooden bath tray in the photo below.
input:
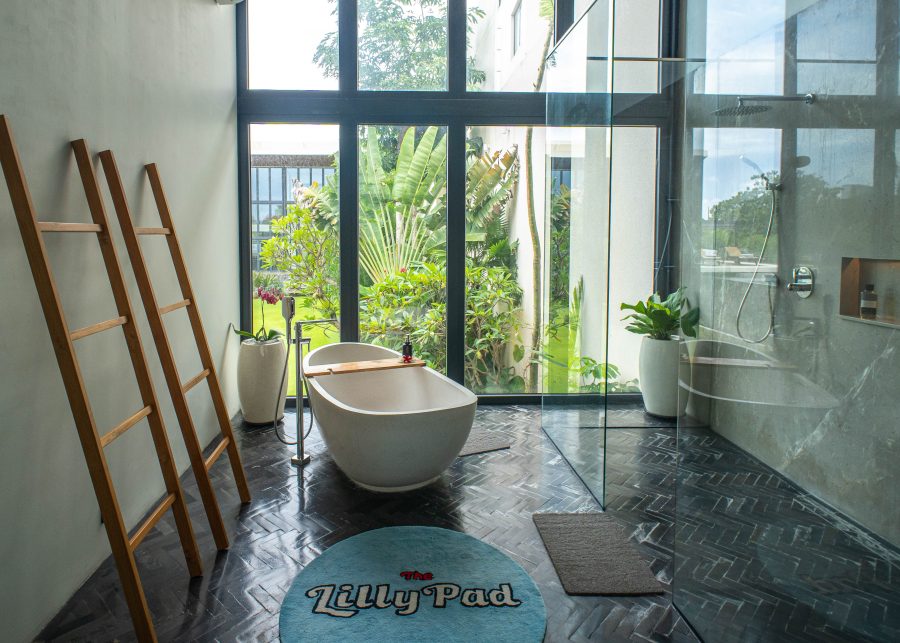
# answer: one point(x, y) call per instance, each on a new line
point(359, 367)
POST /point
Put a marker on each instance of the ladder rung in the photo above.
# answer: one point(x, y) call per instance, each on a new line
point(220, 448)
point(152, 231)
point(150, 521)
point(124, 426)
point(54, 226)
point(181, 304)
point(191, 383)
point(87, 331)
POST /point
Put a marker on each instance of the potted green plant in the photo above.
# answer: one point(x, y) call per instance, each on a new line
point(659, 321)
point(262, 365)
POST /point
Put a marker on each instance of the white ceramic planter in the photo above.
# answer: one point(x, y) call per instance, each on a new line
point(660, 361)
point(260, 366)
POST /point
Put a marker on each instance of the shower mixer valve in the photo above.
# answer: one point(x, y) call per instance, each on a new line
point(802, 281)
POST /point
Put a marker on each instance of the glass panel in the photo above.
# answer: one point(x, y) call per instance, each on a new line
point(581, 61)
point(829, 33)
point(633, 205)
point(501, 344)
point(506, 44)
point(295, 247)
point(402, 239)
point(636, 36)
point(575, 368)
point(278, 58)
point(787, 484)
point(403, 45)
point(745, 49)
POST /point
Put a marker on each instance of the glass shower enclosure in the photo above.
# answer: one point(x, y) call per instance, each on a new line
point(787, 521)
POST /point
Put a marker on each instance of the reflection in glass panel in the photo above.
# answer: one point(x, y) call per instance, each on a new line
point(294, 239)
point(745, 49)
point(636, 35)
point(580, 64)
point(507, 44)
point(402, 239)
point(403, 45)
point(836, 47)
point(845, 157)
point(278, 58)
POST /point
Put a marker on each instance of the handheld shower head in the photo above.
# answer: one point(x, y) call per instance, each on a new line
point(762, 175)
point(752, 165)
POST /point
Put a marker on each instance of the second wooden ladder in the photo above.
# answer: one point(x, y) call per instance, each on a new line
point(178, 388)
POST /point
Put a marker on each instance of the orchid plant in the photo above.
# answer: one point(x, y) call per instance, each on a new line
point(266, 294)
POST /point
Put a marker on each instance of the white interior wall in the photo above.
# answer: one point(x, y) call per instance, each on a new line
point(153, 81)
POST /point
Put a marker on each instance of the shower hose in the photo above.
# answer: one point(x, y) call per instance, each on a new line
point(762, 252)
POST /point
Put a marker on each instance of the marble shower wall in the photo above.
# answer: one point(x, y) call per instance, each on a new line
point(820, 400)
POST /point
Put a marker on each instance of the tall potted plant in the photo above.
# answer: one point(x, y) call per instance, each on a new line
point(659, 321)
point(262, 366)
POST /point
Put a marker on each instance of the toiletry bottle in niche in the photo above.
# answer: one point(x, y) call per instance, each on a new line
point(868, 302)
point(407, 351)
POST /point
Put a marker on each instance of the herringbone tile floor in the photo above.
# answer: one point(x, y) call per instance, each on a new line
point(295, 516)
point(758, 558)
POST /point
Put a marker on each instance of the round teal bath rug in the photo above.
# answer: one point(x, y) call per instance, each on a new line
point(413, 584)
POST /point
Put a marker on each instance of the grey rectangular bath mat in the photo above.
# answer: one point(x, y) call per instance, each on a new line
point(592, 555)
point(482, 442)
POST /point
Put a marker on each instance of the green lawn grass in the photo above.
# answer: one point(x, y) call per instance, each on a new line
point(556, 374)
point(320, 334)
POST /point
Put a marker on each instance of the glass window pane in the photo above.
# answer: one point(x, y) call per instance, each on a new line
point(402, 239)
point(403, 45)
point(306, 176)
point(280, 57)
point(263, 184)
point(276, 183)
point(632, 214)
point(506, 44)
point(306, 263)
point(253, 186)
point(745, 49)
point(500, 317)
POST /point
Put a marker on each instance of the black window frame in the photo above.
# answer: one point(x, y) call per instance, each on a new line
point(456, 108)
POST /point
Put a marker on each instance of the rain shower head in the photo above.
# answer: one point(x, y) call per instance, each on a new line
point(741, 109)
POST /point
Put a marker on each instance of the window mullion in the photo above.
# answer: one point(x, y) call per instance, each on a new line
point(347, 47)
point(456, 48)
point(349, 230)
point(456, 249)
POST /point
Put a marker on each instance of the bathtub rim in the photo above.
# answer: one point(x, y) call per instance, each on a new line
point(311, 382)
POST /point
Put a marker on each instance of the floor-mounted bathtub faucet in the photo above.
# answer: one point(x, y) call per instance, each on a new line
point(296, 338)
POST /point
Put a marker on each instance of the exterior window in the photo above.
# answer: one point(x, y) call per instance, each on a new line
point(517, 29)
point(506, 44)
point(278, 59)
point(403, 239)
point(403, 45)
point(294, 238)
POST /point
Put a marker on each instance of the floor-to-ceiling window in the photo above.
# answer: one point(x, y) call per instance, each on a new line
point(460, 218)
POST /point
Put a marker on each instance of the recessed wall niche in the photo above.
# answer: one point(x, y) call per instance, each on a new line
point(884, 274)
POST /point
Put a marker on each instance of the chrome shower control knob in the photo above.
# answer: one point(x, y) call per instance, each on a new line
point(802, 281)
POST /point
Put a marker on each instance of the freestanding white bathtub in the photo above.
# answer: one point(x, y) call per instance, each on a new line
point(389, 430)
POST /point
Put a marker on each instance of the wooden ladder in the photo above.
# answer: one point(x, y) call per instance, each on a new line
point(122, 544)
point(177, 388)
